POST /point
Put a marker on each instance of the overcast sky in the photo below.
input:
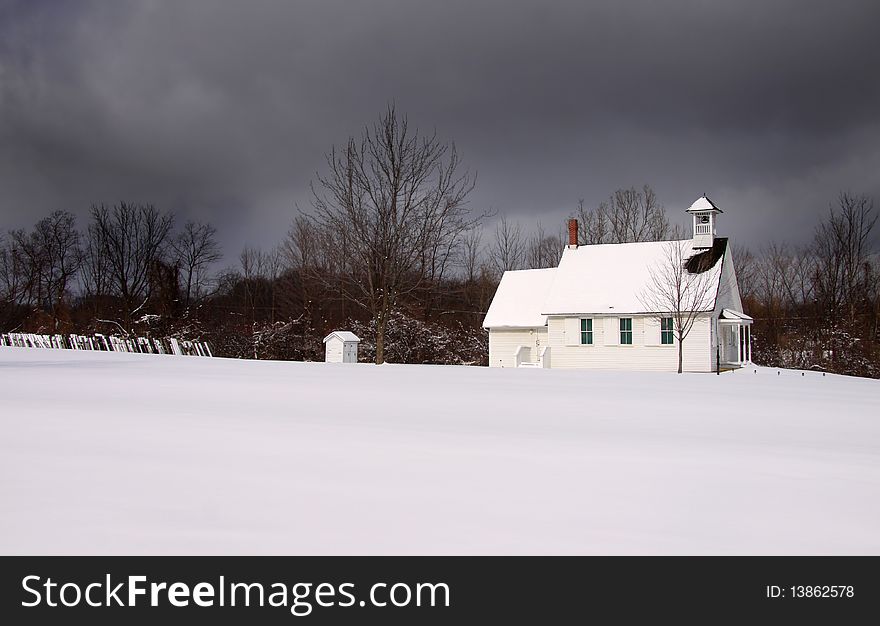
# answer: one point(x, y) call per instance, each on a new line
point(223, 110)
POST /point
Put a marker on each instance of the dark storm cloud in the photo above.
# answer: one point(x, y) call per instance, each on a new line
point(223, 110)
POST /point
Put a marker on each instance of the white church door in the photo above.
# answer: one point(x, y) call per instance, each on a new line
point(729, 347)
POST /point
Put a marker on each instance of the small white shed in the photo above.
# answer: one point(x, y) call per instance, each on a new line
point(341, 346)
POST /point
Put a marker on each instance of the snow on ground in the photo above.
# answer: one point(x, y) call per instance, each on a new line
point(141, 454)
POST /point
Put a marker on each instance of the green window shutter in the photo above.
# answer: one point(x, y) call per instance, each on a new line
point(666, 336)
point(586, 332)
point(626, 331)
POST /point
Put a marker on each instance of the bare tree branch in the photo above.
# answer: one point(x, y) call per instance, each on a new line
point(677, 293)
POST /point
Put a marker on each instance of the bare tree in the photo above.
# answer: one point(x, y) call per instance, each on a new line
point(52, 257)
point(471, 253)
point(195, 249)
point(13, 273)
point(380, 204)
point(444, 236)
point(779, 280)
point(273, 264)
point(301, 247)
point(95, 274)
point(543, 250)
point(842, 248)
point(15, 270)
point(745, 266)
point(130, 238)
point(508, 250)
point(252, 268)
point(628, 215)
point(30, 258)
point(794, 266)
point(304, 255)
point(61, 243)
point(872, 273)
point(769, 290)
point(8, 283)
point(681, 287)
point(323, 265)
point(592, 224)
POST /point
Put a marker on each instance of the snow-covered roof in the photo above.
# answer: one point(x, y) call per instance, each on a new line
point(703, 204)
point(730, 314)
point(599, 279)
point(519, 299)
point(344, 335)
point(612, 278)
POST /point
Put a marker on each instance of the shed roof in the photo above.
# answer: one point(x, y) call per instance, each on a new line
point(344, 335)
point(519, 298)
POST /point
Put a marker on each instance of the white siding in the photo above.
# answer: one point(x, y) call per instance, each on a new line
point(572, 331)
point(610, 331)
point(728, 298)
point(605, 353)
point(651, 331)
point(503, 343)
point(333, 350)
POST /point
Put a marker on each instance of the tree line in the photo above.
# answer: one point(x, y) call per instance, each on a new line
point(391, 248)
point(818, 305)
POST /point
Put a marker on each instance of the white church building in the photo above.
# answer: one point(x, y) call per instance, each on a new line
point(590, 311)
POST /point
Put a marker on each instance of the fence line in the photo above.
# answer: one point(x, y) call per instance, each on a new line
point(108, 343)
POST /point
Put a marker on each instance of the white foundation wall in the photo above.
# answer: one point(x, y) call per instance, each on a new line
point(643, 354)
point(503, 343)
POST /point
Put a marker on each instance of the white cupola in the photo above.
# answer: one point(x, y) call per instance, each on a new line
point(704, 213)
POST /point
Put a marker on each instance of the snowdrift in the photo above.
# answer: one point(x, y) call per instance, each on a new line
point(104, 453)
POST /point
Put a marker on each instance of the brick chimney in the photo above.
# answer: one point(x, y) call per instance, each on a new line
point(572, 233)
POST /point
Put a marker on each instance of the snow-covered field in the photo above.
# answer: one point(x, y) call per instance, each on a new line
point(139, 454)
